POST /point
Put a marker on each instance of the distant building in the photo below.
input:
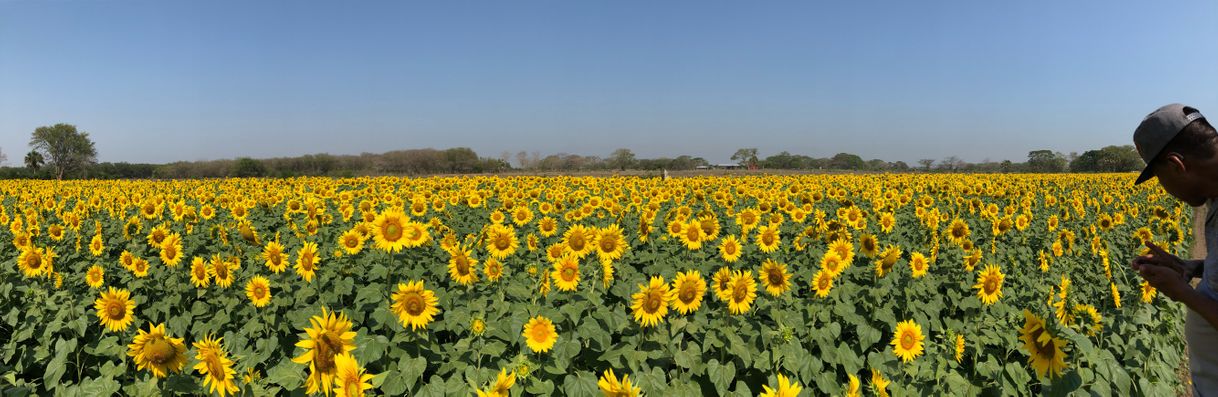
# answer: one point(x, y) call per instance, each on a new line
point(727, 166)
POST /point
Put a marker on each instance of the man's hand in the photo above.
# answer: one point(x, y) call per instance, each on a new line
point(1159, 257)
point(1164, 271)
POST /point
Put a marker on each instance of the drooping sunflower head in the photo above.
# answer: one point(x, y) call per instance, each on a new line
point(157, 351)
point(115, 309)
point(414, 305)
point(350, 380)
point(869, 246)
point(215, 366)
point(722, 282)
point(329, 336)
point(1044, 350)
point(785, 388)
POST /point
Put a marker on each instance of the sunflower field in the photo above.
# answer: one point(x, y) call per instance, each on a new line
point(744, 285)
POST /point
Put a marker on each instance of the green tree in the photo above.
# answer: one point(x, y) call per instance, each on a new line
point(847, 161)
point(246, 167)
point(1108, 159)
point(621, 159)
point(65, 149)
point(1046, 161)
point(34, 160)
point(745, 157)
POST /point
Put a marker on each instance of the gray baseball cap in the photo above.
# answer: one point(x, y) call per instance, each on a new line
point(1157, 129)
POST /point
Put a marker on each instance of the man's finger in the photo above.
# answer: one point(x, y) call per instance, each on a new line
point(1158, 251)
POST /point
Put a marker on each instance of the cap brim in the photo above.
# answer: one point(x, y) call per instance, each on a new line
point(1147, 173)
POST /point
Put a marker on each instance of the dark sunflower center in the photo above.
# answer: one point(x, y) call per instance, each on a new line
point(907, 341)
point(392, 232)
point(115, 310)
point(991, 284)
point(159, 351)
point(688, 293)
point(653, 302)
point(414, 304)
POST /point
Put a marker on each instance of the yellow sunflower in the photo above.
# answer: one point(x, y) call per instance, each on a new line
point(650, 304)
point(502, 385)
point(722, 283)
point(351, 242)
point(1044, 350)
point(157, 351)
point(768, 238)
point(306, 261)
point(822, 283)
point(414, 305)
point(215, 366)
point(775, 278)
point(258, 290)
point(785, 388)
point(34, 261)
point(95, 277)
point(389, 231)
point(273, 254)
point(501, 241)
point(221, 272)
point(869, 246)
point(115, 309)
point(878, 383)
point(96, 245)
point(729, 249)
point(539, 334)
point(887, 260)
point(579, 239)
point(832, 264)
point(688, 288)
point(329, 336)
point(566, 273)
point(547, 226)
point(907, 341)
point(612, 387)
point(844, 249)
point(918, 264)
point(461, 267)
point(743, 292)
point(350, 380)
point(692, 235)
point(989, 284)
point(171, 250)
point(957, 231)
point(200, 275)
point(610, 244)
point(493, 269)
point(852, 386)
point(140, 267)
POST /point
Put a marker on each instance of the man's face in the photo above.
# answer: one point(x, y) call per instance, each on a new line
point(1180, 182)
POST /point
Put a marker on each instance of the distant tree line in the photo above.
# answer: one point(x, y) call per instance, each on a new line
point(60, 151)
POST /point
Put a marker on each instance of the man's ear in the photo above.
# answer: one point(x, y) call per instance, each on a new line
point(1175, 163)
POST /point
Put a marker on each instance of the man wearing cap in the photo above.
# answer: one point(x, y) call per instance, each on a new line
point(1181, 149)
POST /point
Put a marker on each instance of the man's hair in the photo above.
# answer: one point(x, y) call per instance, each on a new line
point(1197, 140)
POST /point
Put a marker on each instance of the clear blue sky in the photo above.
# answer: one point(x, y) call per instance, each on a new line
point(159, 81)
